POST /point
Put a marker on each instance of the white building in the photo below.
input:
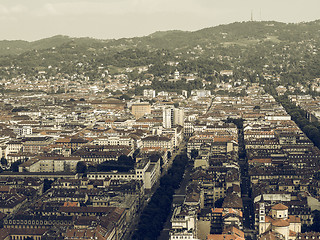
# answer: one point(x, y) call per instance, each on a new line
point(23, 131)
point(178, 116)
point(173, 116)
point(279, 221)
point(183, 223)
point(176, 75)
point(14, 146)
point(201, 93)
point(114, 140)
point(149, 93)
point(168, 117)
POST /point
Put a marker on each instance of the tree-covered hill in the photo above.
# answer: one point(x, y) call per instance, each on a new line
point(231, 33)
point(251, 49)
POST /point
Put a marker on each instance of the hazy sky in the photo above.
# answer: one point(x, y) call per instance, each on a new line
point(36, 19)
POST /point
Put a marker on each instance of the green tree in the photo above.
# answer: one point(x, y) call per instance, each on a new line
point(81, 167)
point(125, 160)
point(194, 153)
point(15, 166)
point(4, 161)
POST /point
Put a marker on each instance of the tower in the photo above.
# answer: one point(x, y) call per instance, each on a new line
point(168, 117)
point(178, 116)
point(262, 216)
point(172, 116)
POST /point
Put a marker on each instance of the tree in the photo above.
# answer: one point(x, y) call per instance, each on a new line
point(136, 153)
point(316, 221)
point(125, 160)
point(218, 203)
point(92, 168)
point(15, 166)
point(194, 153)
point(47, 184)
point(124, 97)
point(4, 161)
point(156, 212)
point(81, 167)
point(154, 157)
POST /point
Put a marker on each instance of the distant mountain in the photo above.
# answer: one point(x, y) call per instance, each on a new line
point(235, 33)
point(268, 46)
point(19, 46)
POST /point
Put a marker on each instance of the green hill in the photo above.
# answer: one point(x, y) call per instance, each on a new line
point(250, 47)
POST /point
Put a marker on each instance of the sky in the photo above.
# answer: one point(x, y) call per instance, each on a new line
point(108, 19)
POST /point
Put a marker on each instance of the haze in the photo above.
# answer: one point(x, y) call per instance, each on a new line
point(105, 19)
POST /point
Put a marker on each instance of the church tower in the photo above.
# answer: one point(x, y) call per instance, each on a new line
point(262, 216)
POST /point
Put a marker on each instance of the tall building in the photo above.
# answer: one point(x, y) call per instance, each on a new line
point(172, 117)
point(140, 109)
point(168, 119)
point(178, 116)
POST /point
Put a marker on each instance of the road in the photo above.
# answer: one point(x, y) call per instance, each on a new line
point(248, 213)
point(178, 198)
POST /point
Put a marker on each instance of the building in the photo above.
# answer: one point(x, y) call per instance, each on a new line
point(178, 116)
point(172, 117)
point(23, 131)
point(149, 93)
point(278, 221)
point(50, 164)
point(201, 93)
point(147, 172)
point(161, 142)
point(183, 223)
point(140, 109)
point(229, 233)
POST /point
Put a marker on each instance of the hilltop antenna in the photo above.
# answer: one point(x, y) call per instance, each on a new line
point(251, 15)
point(260, 15)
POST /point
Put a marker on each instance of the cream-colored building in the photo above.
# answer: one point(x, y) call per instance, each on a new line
point(162, 142)
point(50, 164)
point(114, 140)
point(147, 172)
point(140, 109)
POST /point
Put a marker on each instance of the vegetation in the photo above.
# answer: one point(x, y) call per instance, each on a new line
point(123, 164)
point(315, 227)
point(156, 212)
point(250, 49)
point(15, 166)
point(81, 167)
point(311, 129)
point(4, 161)
point(194, 153)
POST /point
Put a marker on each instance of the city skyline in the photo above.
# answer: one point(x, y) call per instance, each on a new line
point(130, 18)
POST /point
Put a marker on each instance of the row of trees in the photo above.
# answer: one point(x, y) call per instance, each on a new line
point(157, 211)
point(311, 129)
point(123, 164)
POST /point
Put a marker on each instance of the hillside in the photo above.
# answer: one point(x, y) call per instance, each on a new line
point(234, 33)
point(249, 48)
